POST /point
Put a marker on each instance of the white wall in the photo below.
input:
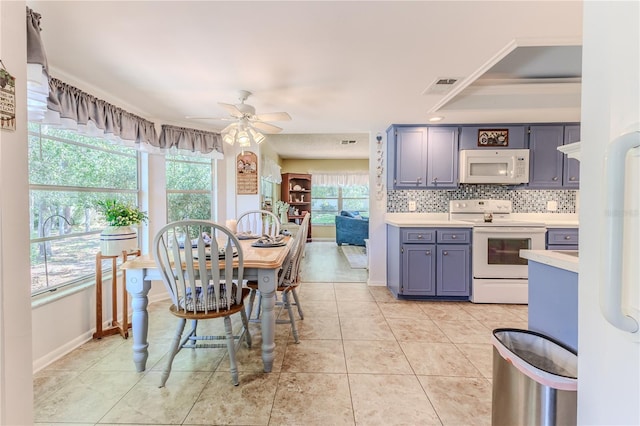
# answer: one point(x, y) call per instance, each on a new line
point(608, 360)
point(377, 210)
point(16, 388)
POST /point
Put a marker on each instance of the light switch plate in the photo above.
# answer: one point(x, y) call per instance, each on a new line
point(412, 206)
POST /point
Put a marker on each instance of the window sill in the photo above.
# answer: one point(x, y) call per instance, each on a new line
point(62, 292)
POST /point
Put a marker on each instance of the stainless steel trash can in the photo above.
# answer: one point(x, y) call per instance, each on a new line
point(535, 379)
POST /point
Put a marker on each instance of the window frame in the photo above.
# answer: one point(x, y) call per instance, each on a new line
point(340, 201)
point(211, 192)
point(70, 189)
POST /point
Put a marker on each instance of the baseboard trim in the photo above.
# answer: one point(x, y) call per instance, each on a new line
point(61, 351)
point(85, 337)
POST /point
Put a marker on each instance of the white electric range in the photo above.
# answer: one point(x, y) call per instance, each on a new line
point(499, 273)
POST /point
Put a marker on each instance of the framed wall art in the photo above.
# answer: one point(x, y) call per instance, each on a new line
point(247, 173)
point(493, 137)
point(7, 100)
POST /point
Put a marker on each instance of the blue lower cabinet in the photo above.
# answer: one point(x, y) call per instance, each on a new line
point(453, 277)
point(419, 269)
point(567, 237)
point(429, 263)
point(553, 303)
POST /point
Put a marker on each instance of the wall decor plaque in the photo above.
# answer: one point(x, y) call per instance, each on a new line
point(247, 173)
point(7, 100)
point(493, 137)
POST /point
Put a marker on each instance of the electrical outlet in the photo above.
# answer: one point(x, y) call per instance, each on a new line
point(552, 206)
point(412, 206)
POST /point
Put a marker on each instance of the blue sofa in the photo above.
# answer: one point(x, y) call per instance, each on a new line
point(351, 228)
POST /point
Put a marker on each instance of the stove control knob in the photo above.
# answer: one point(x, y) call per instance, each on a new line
point(463, 205)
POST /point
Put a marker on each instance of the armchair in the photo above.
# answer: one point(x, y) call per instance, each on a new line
point(351, 228)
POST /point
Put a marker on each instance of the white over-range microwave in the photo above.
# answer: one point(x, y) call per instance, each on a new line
point(501, 166)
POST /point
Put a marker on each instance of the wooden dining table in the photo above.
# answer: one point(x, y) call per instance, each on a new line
point(260, 264)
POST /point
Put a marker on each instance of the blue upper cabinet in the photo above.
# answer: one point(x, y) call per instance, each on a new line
point(411, 157)
point(422, 157)
point(442, 157)
point(545, 161)
point(571, 174)
point(550, 168)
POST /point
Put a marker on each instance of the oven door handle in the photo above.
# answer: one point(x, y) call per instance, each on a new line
point(508, 230)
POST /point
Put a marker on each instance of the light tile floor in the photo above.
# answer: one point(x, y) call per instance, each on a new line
point(364, 358)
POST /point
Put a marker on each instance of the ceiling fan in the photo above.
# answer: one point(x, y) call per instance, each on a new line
point(246, 123)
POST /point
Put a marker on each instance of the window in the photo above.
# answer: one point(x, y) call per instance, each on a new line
point(189, 187)
point(328, 200)
point(68, 173)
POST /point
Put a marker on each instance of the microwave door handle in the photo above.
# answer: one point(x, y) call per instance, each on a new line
point(611, 286)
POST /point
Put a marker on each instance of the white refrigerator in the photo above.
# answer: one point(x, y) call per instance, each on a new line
point(609, 274)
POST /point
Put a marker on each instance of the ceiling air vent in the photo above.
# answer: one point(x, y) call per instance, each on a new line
point(441, 86)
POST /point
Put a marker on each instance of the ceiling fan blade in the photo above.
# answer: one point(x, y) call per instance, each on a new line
point(273, 116)
point(231, 109)
point(266, 127)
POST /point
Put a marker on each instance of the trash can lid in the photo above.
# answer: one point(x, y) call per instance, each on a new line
point(538, 356)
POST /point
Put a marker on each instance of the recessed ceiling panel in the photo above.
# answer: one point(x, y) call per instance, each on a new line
point(544, 62)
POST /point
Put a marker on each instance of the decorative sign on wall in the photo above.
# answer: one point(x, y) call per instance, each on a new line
point(493, 137)
point(7, 100)
point(247, 173)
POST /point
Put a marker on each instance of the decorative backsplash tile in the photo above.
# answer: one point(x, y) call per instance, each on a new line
point(523, 200)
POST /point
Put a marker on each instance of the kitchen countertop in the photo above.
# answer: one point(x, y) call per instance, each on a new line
point(561, 223)
point(442, 220)
point(567, 260)
point(406, 220)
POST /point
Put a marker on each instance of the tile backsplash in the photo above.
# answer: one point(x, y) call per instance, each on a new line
point(523, 200)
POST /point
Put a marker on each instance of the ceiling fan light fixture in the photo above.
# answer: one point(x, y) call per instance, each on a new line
point(230, 136)
point(243, 138)
point(257, 136)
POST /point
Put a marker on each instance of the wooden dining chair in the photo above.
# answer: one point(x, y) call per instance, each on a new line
point(288, 279)
point(258, 222)
point(202, 290)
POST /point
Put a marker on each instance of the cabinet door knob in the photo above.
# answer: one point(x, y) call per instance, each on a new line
point(435, 180)
point(567, 237)
point(419, 180)
point(555, 178)
point(572, 178)
point(428, 252)
point(419, 236)
point(444, 253)
point(453, 237)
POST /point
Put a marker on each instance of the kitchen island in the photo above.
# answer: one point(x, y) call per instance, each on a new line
point(553, 294)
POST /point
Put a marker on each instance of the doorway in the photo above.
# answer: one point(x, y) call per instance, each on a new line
point(325, 262)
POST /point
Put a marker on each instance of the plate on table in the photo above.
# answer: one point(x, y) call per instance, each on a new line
point(269, 244)
point(247, 236)
point(269, 241)
point(194, 244)
point(221, 254)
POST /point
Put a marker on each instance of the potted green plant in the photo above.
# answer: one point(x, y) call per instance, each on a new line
point(120, 234)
